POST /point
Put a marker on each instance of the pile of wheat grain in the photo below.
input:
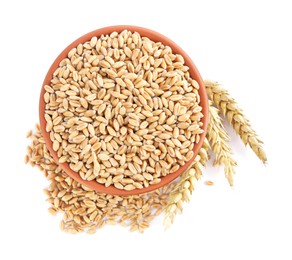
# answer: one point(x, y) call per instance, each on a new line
point(84, 209)
point(123, 110)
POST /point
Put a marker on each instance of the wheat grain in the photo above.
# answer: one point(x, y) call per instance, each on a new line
point(235, 117)
point(209, 183)
point(219, 140)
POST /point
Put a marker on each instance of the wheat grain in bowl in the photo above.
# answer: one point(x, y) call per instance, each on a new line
point(123, 110)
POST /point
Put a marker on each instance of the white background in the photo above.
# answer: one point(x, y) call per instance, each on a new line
point(246, 45)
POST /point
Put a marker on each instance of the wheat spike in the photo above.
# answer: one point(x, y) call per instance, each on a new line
point(186, 185)
point(235, 117)
point(219, 139)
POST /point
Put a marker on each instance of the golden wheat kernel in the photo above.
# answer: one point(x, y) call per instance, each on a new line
point(118, 185)
point(103, 156)
point(209, 183)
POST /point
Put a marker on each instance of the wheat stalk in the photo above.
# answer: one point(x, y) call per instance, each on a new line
point(219, 139)
point(235, 117)
point(186, 185)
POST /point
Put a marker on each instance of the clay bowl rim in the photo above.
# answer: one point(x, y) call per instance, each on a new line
point(194, 73)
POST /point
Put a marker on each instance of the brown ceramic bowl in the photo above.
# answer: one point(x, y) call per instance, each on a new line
point(157, 37)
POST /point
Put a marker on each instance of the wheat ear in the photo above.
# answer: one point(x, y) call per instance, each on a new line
point(235, 117)
point(186, 185)
point(219, 141)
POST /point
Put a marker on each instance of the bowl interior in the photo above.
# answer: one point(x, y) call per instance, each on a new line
point(154, 36)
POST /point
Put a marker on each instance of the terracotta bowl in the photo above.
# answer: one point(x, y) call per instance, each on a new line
point(157, 37)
